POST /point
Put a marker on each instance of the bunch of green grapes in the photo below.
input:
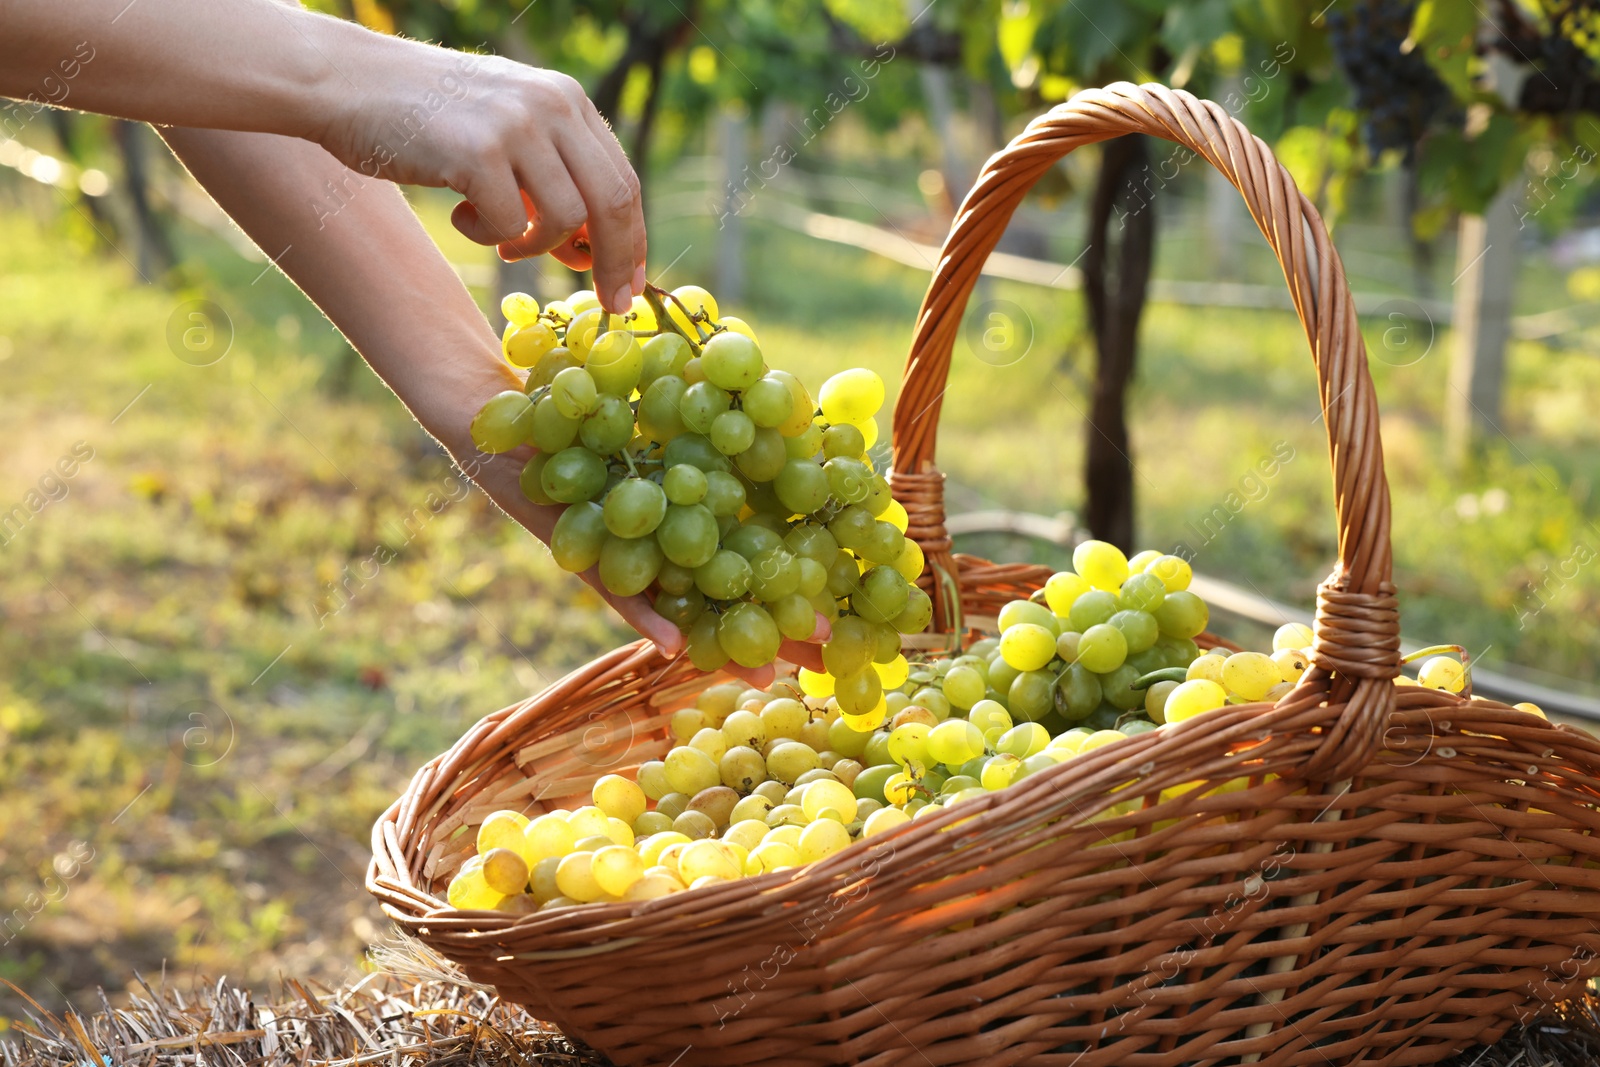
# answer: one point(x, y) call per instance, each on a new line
point(692, 471)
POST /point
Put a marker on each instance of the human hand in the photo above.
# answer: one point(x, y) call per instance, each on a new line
point(539, 168)
point(499, 476)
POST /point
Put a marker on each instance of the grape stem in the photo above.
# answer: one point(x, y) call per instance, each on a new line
point(657, 297)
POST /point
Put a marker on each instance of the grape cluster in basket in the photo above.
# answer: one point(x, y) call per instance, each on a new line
point(693, 471)
point(758, 781)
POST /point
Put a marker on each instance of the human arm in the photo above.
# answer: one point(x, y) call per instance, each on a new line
point(489, 128)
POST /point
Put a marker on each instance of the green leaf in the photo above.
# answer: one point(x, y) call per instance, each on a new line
point(1444, 30)
point(1195, 24)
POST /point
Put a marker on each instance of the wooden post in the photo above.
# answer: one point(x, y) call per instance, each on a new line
point(1486, 266)
point(730, 232)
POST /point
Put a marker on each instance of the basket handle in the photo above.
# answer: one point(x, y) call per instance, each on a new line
point(1357, 630)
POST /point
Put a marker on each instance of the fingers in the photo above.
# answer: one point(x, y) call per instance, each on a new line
point(616, 219)
point(802, 654)
point(619, 159)
point(494, 210)
point(552, 202)
point(758, 677)
point(637, 612)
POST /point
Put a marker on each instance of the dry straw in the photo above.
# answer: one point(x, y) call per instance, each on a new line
point(1361, 874)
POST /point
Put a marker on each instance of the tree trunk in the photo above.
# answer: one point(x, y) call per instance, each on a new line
point(1116, 276)
point(155, 252)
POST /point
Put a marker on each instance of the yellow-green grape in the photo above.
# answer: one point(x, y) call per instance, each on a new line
point(653, 887)
point(954, 742)
point(1208, 667)
point(964, 686)
point(1020, 611)
point(754, 807)
point(1023, 740)
point(788, 833)
point(618, 797)
point(469, 892)
point(503, 423)
point(690, 770)
point(742, 768)
point(737, 325)
point(883, 820)
point(686, 722)
point(789, 760)
point(988, 715)
point(650, 851)
point(542, 882)
point(1174, 572)
point(519, 309)
point(851, 396)
point(526, 346)
point(895, 515)
point(702, 859)
point(998, 771)
point(673, 804)
point(1193, 697)
point(1442, 672)
point(899, 788)
point(616, 868)
point(910, 563)
point(1102, 648)
point(909, 743)
point(1100, 564)
point(1070, 743)
point(695, 825)
point(582, 331)
point(548, 836)
point(580, 301)
point(710, 741)
point(619, 831)
point(575, 878)
point(1292, 663)
point(1155, 700)
point(894, 673)
point(817, 686)
point(1248, 675)
point(651, 822)
point(1100, 739)
point(771, 856)
point(697, 300)
point(668, 857)
point(642, 316)
point(823, 795)
point(653, 779)
point(961, 796)
point(1027, 646)
point(1278, 692)
point(1291, 635)
point(1531, 709)
point(505, 871)
point(744, 728)
point(1141, 560)
point(716, 803)
point(1062, 589)
point(822, 839)
point(589, 821)
point(504, 829)
point(746, 833)
point(865, 724)
point(785, 716)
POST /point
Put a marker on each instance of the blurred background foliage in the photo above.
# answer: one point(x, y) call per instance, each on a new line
point(208, 686)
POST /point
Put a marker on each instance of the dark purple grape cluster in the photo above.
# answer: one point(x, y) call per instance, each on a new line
point(1399, 95)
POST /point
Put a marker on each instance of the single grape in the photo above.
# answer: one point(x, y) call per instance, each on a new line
point(882, 595)
point(725, 576)
point(799, 421)
point(768, 402)
point(704, 649)
point(1442, 672)
point(1192, 698)
point(1291, 635)
point(660, 408)
point(751, 538)
point(1174, 572)
point(804, 445)
point(822, 839)
point(732, 432)
point(579, 535)
point(629, 564)
point(680, 609)
point(616, 868)
point(852, 527)
point(552, 431)
point(635, 508)
point(1142, 592)
point(1062, 590)
point(788, 760)
point(687, 535)
point(1091, 609)
point(574, 392)
point(1117, 686)
point(616, 362)
point(527, 346)
point(884, 544)
point(689, 770)
point(823, 796)
point(774, 574)
point(725, 494)
point(1078, 693)
point(684, 485)
point(911, 562)
point(732, 361)
point(1031, 695)
point(609, 427)
point(1138, 629)
point(1181, 614)
point(850, 480)
point(701, 404)
point(1208, 667)
point(573, 475)
point(519, 309)
point(575, 878)
point(664, 355)
point(550, 364)
point(531, 480)
point(802, 487)
point(1027, 646)
point(843, 442)
point(503, 423)
point(858, 692)
point(672, 577)
point(964, 686)
point(851, 396)
point(1292, 663)
point(1101, 564)
point(954, 742)
point(1102, 648)
point(1155, 700)
point(765, 457)
point(748, 634)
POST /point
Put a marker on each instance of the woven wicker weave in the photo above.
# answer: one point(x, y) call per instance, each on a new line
point(1362, 874)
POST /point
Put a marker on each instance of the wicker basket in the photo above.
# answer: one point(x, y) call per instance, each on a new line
point(1361, 874)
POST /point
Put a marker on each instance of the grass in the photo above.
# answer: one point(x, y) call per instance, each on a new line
point(197, 729)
